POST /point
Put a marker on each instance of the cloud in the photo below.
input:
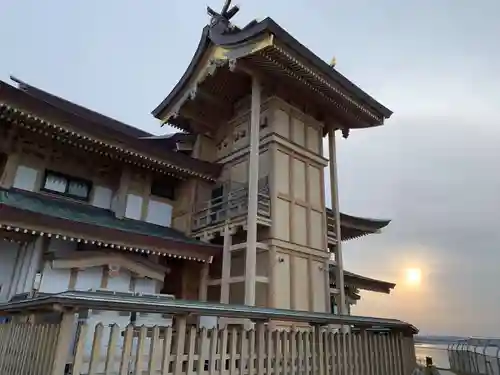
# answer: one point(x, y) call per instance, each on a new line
point(437, 179)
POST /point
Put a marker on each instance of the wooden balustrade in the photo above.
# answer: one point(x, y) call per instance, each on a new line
point(230, 205)
point(189, 351)
point(29, 349)
point(278, 342)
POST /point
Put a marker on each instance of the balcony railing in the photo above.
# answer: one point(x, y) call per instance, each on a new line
point(231, 205)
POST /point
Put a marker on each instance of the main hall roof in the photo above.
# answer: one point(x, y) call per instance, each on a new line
point(269, 50)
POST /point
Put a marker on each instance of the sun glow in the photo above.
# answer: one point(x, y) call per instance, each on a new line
point(413, 276)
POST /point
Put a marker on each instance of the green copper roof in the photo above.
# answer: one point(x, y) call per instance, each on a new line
point(86, 214)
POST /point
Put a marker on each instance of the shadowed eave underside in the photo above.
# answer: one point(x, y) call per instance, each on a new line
point(266, 48)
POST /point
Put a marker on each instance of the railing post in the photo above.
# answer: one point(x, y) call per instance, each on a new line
point(64, 340)
point(180, 339)
point(407, 354)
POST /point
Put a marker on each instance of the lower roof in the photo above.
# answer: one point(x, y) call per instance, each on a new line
point(364, 282)
point(354, 226)
point(63, 217)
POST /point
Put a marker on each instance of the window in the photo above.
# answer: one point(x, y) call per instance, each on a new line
point(334, 305)
point(61, 184)
point(3, 161)
point(164, 187)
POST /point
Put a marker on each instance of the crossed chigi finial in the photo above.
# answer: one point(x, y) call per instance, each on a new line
point(226, 14)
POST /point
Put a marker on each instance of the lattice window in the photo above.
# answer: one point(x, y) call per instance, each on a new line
point(58, 183)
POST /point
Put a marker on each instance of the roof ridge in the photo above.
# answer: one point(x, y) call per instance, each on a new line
point(74, 108)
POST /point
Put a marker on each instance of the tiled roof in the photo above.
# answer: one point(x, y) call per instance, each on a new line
point(92, 221)
point(48, 107)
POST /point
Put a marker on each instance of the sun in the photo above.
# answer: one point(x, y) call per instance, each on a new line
point(413, 276)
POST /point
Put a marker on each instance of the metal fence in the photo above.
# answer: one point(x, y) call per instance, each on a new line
point(475, 356)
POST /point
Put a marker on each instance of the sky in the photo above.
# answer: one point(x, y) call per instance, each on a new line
point(431, 168)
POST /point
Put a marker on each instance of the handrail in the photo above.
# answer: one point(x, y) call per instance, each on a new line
point(76, 300)
point(234, 193)
point(232, 203)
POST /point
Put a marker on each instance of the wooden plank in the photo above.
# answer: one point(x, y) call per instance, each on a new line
point(154, 347)
point(126, 350)
point(95, 354)
point(167, 348)
point(143, 332)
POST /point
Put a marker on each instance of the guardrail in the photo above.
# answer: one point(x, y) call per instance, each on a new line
point(231, 204)
point(477, 356)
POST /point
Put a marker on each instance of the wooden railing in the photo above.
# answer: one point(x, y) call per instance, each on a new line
point(238, 351)
point(304, 344)
point(27, 348)
point(230, 205)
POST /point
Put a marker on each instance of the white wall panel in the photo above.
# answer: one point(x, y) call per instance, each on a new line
point(26, 178)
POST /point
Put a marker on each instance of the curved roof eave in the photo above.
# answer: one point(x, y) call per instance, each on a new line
point(247, 33)
point(325, 68)
point(363, 221)
point(200, 51)
point(366, 283)
point(377, 223)
point(380, 283)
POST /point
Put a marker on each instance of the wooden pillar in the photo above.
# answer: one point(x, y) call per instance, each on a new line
point(202, 293)
point(339, 270)
point(253, 187)
point(226, 265)
point(119, 205)
point(326, 269)
point(63, 345)
point(9, 170)
point(16, 273)
point(34, 263)
point(20, 269)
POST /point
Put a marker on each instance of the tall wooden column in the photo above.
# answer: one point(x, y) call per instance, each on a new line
point(339, 270)
point(253, 187)
point(203, 288)
point(226, 265)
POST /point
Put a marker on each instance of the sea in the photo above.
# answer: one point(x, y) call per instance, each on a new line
point(438, 353)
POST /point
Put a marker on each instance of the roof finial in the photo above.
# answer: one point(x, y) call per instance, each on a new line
point(224, 16)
